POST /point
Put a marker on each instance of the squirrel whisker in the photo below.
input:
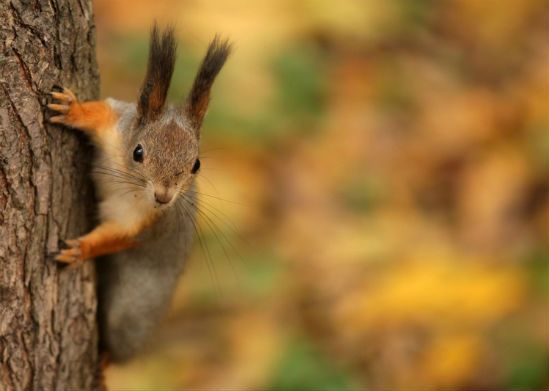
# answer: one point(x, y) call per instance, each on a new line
point(218, 198)
point(122, 172)
point(205, 250)
point(120, 180)
point(232, 226)
point(216, 230)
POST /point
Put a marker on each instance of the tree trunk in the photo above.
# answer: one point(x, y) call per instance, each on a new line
point(48, 332)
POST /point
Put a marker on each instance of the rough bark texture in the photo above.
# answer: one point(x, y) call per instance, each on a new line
point(48, 332)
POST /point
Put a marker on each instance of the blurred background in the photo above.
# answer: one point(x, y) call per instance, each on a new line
point(376, 194)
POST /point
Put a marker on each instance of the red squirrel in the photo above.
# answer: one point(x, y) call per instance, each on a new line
point(144, 170)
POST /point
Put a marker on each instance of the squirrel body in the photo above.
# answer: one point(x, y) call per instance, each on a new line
point(144, 172)
point(140, 280)
point(135, 285)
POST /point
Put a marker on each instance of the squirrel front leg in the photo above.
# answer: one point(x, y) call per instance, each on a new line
point(95, 118)
point(107, 238)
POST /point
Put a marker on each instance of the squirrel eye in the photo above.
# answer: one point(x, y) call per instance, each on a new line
point(138, 153)
point(196, 166)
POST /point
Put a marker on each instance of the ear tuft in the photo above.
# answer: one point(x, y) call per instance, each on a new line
point(199, 97)
point(162, 52)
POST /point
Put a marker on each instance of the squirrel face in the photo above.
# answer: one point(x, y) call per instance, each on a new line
point(165, 154)
point(165, 142)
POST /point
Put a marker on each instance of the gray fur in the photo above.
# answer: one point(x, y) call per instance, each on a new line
point(135, 285)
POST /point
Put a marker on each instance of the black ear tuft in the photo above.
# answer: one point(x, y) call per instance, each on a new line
point(162, 50)
point(199, 97)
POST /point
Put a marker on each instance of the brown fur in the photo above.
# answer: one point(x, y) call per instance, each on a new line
point(160, 67)
point(199, 97)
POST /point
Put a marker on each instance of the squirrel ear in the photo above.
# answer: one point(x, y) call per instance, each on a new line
point(199, 96)
point(159, 74)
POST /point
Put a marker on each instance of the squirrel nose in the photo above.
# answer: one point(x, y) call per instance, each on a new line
point(162, 197)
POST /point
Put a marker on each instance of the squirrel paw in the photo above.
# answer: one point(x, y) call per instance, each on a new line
point(65, 100)
point(71, 254)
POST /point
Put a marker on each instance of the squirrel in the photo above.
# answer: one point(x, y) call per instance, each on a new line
point(144, 171)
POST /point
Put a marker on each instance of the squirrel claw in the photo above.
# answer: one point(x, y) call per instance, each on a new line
point(63, 97)
point(71, 254)
point(58, 119)
point(59, 108)
point(63, 101)
point(70, 95)
point(63, 94)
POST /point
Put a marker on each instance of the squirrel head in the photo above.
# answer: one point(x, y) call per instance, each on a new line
point(165, 142)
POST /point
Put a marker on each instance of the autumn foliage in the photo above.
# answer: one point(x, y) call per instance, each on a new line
point(375, 212)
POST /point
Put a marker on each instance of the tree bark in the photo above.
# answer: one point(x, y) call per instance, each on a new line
point(48, 332)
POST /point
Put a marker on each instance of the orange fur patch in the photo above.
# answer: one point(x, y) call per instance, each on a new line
point(93, 117)
point(156, 100)
point(201, 107)
point(107, 238)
